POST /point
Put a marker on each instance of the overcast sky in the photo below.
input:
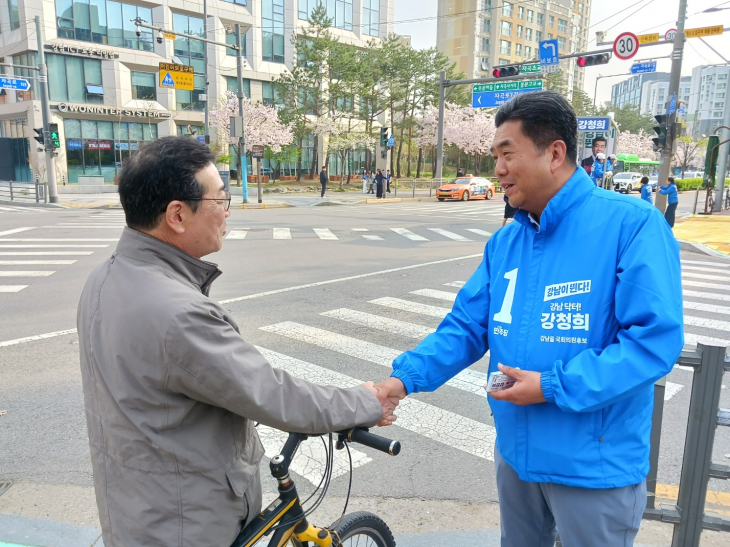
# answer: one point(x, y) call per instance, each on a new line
point(642, 17)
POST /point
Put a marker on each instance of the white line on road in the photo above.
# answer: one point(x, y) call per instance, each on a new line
point(704, 269)
point(708, 295)
point(707, 323)
point(450, 235)
point(84, 226)
point(372, 237)
point(467, 380)
point(360, 230)
point(282, 233)
point(36, 337)
point(706, 307)
point(57, 239)
point(440, 295)
point(28, 273)
point(47, 253)
point(671, 389)
point(403, 328)
point(705, 276)
point(413, 307)
point(703, 285)
point(706, 263)
point(324, 233)
point(440, 425)
point(407, 233)
point(237, 234)
point(52, 246)
point(457, 284)
point(34, 262)
point(690, 339)
point(340, 279)
point(480, 232)
point(12, 288)
point(14, 231)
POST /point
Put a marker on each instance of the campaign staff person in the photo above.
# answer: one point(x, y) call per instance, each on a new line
point(578, 327)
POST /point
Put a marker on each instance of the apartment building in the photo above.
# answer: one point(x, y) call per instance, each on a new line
point(103, 73)
point(708, 99)
point(629, 91)
point(655, 96)
point(479, 35)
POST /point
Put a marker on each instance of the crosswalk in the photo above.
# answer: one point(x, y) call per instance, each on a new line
point(348, 234)
point(408, 317)
point(471, 210)
point(5, 209)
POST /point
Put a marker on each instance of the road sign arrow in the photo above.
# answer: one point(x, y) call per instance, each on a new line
point(479, 99)
point(549, 45)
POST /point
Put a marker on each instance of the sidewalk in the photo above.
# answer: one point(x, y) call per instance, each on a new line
point(712, 231)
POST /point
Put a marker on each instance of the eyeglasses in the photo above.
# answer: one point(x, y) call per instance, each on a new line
point(226, 200)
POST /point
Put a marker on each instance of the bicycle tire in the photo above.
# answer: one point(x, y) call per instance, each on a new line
point(363, 525)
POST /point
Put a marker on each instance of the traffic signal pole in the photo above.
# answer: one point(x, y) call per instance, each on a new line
point(46, 111)
point(674, 79)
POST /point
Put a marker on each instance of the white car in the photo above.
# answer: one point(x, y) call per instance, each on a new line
point(626, 182)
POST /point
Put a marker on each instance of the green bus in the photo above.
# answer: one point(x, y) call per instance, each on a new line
point(632, 162)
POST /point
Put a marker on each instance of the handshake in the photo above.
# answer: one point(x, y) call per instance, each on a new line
point(389, 392)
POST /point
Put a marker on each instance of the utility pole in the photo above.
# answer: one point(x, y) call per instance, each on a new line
point(242, 177)
point(205, 61)
point(724, 150)
point(46, 111)
point(439, 173)
point(674, 79)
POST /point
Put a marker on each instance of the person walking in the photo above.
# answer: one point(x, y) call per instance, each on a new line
point(323, 179)
point(379, 183)
point(646, 190)
point(387, 179)
point(371, 182)
point(509, 211)
point(365, 181)
point(583, 331)
point(670, 190)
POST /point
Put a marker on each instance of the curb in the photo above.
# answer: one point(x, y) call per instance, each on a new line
point(72, 205)
point(31, 205)
point(383, 200)
point(272, 205)
point(693, 247)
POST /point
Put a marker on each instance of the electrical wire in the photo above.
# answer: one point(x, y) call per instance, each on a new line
point(624, 19)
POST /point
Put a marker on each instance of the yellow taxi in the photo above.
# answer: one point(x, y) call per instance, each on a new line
point(466, 188)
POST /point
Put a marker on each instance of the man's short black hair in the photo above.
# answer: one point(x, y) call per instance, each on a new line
point(161, 171)
point(599, 139)
point(546, 117)
point(671, 179)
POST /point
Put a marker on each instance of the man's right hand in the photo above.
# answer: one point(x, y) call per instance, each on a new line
point(388, 403)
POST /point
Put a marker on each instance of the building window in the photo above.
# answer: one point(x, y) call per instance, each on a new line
point(528, 34)
point(74, 79)
point(485, 44)
point(242, 2)
point(530, 16)
point(505, 47)
point(272, 22)
point(504, 61)
point(719, 105)
point(191, 53)
point(518, 49)
point(562, 26)
point(550, 36)
point(190, 130)
point(717, 114)
point(232, 86)
point(719, 95)
point(521, 12)
point(538, 36)
point(26, 59)
point(100, 148)
point(487, 5)
point(371, 17)
point(144, 87)
point(580, 8)
point(520, 31)
point(103, 22)
point(14, 16)
point(528, 52)
point(507, 9)
point(506, 28)
point(540, 19)
point(231, 40)
point(551, 20)
point(340, 11)
point(720, 86)
point(722, 76)
point(487, 26)
point(561, 43)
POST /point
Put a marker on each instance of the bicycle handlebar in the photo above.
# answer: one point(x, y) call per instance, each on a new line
point(363, 436)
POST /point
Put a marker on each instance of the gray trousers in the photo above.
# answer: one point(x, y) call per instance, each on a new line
point(532, 513)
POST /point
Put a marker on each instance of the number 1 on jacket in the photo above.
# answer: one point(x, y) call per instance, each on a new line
point(505, 314)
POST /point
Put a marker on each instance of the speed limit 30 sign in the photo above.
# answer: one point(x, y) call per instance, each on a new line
point(626, 45)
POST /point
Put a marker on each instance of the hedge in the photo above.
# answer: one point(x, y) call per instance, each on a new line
point(692, 184)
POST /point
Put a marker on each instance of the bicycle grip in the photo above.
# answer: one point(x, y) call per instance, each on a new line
point(363, 436)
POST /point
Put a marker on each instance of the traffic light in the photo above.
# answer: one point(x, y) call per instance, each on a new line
point(592, 60)
point(53, 135)
point(506, 71)
point(39, 132)
point(711, 159)
point(384, 136)
point(660, 141)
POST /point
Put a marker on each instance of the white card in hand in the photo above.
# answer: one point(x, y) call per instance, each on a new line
point(499, 381)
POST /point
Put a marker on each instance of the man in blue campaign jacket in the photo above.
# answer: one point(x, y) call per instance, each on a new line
point(580, 300)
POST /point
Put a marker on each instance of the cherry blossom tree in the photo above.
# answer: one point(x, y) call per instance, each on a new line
point(636, 143)
point(346, 141)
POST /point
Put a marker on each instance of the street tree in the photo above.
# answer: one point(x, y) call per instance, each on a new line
point(636, 143)
point(629, 118)
point(582, 103)
point(688, 150)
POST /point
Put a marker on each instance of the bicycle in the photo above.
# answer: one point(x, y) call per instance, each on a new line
point(286, 519)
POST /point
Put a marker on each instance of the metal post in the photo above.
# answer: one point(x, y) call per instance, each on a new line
point(11, 190)
point(697, 195)
point(701, 423)
point(674, 78)
point(258, 178)
point(430, 187)
point(46, 110)
point(440, 132)
point(414, 188)
point(395, 195)
point(242, 177)
point(595, 94)
point(656, 435)
point(205, 62)
point(722, 158)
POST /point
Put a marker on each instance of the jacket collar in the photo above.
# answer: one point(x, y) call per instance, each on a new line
point(572, 194)
point(187, 269)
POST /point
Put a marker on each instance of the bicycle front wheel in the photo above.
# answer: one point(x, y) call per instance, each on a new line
point(363, 529)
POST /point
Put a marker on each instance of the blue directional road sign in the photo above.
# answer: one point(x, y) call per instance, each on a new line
point(549, 60)
point(14, 83)
point(640, 68)
point(496, 94)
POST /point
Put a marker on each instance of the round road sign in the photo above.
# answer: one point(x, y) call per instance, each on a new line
point(670, 34)
point(626, 45)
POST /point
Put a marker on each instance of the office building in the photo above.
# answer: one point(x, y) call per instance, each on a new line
point(629, 92)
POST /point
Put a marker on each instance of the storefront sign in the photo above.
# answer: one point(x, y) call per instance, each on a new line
point(73, 145)
point(83, 50)
point(126, 146)
point(112, 111)
point(99, 145)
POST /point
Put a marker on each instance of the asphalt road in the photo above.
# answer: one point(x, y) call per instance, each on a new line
point(329, 293)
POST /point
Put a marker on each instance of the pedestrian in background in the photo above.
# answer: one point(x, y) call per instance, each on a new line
point(646, 190)
point(387, 180)
point(509, 211)
point(459, 173)
point(323, 179)
point(379, 182)
point(670, 190)
point(598, 169)
point(365, 181)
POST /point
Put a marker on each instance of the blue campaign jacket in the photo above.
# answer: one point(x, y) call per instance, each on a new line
point(646, 193)
point(592, 301)
point(671, 192)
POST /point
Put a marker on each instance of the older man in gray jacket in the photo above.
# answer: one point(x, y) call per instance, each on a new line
point(171, 389)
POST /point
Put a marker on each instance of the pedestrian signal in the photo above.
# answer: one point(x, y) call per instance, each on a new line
point(383, 136)
point(54, 136)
